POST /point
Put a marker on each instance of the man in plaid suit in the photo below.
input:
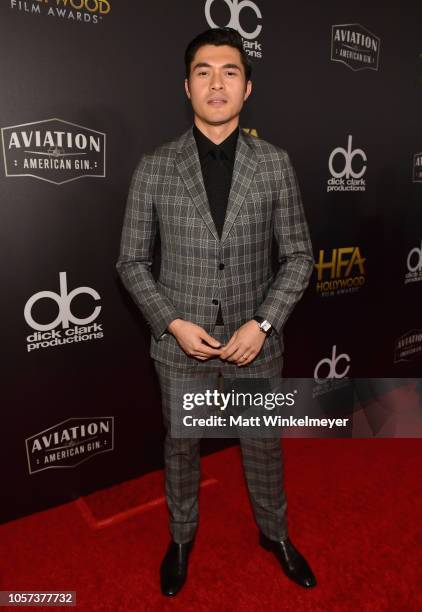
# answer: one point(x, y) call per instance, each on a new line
point(217, 197)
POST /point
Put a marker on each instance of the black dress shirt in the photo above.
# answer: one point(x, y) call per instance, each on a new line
point(217, 163)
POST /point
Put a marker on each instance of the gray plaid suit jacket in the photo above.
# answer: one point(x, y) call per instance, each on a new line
point(167, 195)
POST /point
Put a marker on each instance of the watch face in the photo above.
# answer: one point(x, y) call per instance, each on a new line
point(265, 325)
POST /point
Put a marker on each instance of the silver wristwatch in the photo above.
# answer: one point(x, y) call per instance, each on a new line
point(264, 325)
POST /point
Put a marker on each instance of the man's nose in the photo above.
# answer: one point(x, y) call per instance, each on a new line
point(216, 82)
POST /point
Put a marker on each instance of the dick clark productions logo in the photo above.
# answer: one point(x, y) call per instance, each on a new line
point(333, 364)
point(252, 47)
point(347, 167)
point(414, 265)
point(330, 373)
point(72, 328)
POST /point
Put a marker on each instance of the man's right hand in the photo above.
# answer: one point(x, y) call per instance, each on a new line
point(194, 340)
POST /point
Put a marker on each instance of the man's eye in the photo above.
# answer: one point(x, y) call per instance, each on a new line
point(230, 73)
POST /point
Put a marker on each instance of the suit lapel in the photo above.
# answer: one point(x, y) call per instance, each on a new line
point(189, 167)
point(245, 164)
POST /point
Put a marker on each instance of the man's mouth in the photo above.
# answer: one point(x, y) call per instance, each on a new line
point(217, 101)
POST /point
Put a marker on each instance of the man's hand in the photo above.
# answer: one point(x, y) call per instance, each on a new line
point(244, 345)
point(194, 340)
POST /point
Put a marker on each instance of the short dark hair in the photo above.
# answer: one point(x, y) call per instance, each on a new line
point(218, 36)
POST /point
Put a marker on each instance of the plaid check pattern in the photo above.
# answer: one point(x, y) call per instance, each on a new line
point(261, 457)
point(167, 196)
point(198, 272)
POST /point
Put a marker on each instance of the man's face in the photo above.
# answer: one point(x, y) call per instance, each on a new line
point(217, 86)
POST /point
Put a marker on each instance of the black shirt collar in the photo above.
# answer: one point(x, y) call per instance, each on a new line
point(205, 145)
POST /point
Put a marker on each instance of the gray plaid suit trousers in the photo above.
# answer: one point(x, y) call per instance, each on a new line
point(261, 457)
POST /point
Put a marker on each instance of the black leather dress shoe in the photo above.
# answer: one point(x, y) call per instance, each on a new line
point(294, 565)
point(174, 568)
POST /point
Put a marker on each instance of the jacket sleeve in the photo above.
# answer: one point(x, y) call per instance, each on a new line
point(140, 228)
point(294, 252)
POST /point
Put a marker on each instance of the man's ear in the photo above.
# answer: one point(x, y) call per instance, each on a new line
point(187, 88)
point(248, 90)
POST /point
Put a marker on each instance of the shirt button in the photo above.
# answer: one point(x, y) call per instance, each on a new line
point(215, 302)
point(221, 266)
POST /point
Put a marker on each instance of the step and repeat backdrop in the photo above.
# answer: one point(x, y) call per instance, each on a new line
point(88, 86)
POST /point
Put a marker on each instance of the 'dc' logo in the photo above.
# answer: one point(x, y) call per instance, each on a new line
point(235, 7)
point(417, 259)
point(63, 301)
point(332, 366)
point(348, 159)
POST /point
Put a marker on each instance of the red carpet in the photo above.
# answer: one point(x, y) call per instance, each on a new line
point(354, 511)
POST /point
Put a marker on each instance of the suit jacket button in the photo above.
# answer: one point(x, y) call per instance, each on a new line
point(221, 266)
point(215, 302)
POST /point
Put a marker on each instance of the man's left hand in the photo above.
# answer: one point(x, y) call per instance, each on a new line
point(245, 344)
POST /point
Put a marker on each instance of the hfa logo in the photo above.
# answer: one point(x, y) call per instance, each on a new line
point(253, 49)
point(414, 265)
point(354, 46)
point(78, 11)
point(340, 272)
point(74, 329)
point(345, 170)
point(251, 132)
